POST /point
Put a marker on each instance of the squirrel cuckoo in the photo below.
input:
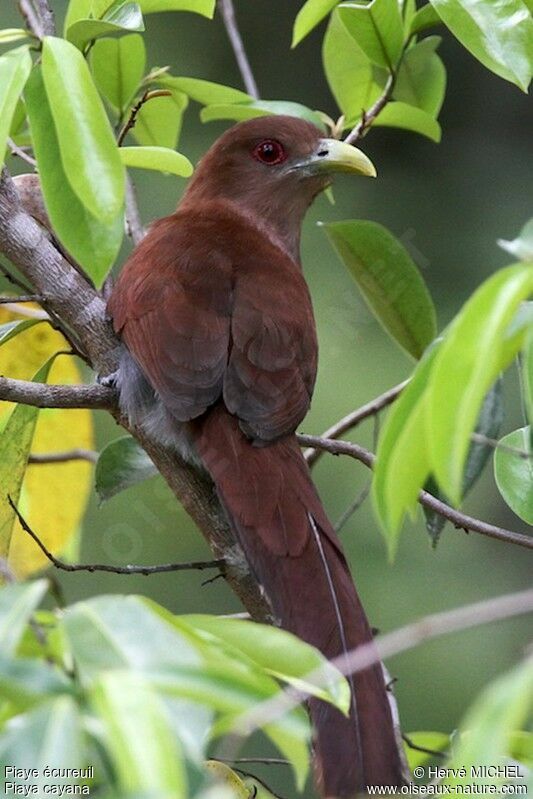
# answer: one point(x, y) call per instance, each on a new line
point(219, 362)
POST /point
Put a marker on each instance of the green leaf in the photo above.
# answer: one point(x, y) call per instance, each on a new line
point(488, 726)
point(309, 16)
point(118, 67)
point(18, 123)
point(111, 633)
point(259, 108)
point(204, 92)
point(498, 33)
point(377, 28)
point(121, 464)
point(15, 444)
point(49, 735)
point(514, 472)
point(17, 603)
point(521, 747)
point(527, 375)
point(15, 67)
point(11, 329)
point(226, 779)
point(349, 72)
point(389, 281)
point(89, 153)
point(421, 80)
point(204, 7)
point(407, 117)
point(27, 682)
point(225, 686)
point(472, 355)
point(77, 9)
point(161, 159)
point(145, 752)
point(522, 246)
point(426, 17)
point(92, 243)
point(402, 460)
point(279, 653)
point(488, 425)
point(159, 121)
point(12, 35)
point(124, 19)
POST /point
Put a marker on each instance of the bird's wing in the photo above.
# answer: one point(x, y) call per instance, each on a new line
point(272, 367)
point(171, 305)
point(207, 308)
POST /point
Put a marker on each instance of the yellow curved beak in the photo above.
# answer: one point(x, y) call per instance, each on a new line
point(338, 156)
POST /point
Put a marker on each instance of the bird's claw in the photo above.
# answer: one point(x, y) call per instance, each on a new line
point(109, 381)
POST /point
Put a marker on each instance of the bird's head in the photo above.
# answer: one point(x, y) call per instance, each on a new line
point(273, 167)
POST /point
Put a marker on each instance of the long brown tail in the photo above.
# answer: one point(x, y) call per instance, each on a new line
point(277, 515)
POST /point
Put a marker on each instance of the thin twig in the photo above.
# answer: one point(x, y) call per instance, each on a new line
point(77, 454)
point(198, 565)
point(132, 118)
point(494, 444)
point(354, 418)
point(416, 748)
point(5, 300)
point(232, 29)
point(360, 499)
point(385, 646)
point(458, 519)
point(352, 508)
point(369, 116)
point(134, 226)
point(18, 151)
point(46, 395)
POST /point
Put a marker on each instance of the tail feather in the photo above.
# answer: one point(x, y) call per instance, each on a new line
point(295, 554)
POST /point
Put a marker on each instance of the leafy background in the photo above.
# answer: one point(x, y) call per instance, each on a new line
point(448, 203)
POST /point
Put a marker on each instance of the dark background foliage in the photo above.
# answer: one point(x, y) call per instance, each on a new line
point(448, 203)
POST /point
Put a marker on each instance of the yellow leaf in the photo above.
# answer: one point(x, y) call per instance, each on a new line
point(54, 496)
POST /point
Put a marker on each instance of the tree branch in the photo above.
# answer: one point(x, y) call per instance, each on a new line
point(78, 454)
point(369, 116)
point(354, 418)
point(46, 395)
point(5, 300)
point(198, 565)
point(230, 22)
point(134, 111)
point(134, 226)
point(39, 17)
point(18, 151)
point(459, 520)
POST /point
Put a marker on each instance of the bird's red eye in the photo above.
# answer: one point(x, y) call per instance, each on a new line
point(269, 152)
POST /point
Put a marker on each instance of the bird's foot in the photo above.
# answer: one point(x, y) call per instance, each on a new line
point(109, 381)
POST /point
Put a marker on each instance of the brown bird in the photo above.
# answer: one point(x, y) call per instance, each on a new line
point(219, 362)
